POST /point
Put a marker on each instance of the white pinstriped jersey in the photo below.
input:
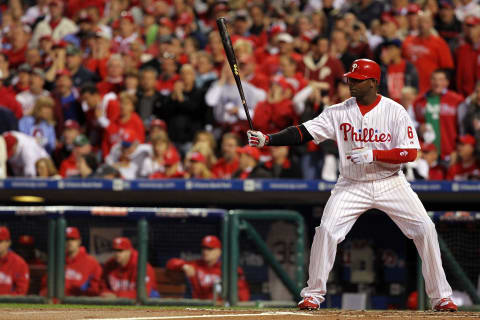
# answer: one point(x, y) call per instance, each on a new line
point(387, 126)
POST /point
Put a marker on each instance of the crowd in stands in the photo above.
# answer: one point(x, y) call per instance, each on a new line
point(141, 88)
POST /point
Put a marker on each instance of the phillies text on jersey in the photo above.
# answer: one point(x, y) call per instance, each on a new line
point(387, 126)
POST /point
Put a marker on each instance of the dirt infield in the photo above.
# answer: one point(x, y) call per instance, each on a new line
point(155, 313)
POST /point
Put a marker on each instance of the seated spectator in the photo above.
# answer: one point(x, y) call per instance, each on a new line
point(131, 81)
point(228, 163)
point(173, 168)
point(277, 111)
point(464, 164)
point(119, 278)
point(158, 128)
point(106, 171)
point(197, 166)
point(46, 168)
point(65, 143)
point(81, 146)
point(128, 121)
point(281, 166)
point(15, 275)
point(87, 165)
point(249, 165)
point(26, 249)
point(128, 155)
point(223, 97)
point(23, 151)
point(469, 117)
point(203, 274)
point(28, 97)
point(436, 171)
point(41, 124)
point(205, 144)
point(162, 149)
point(82, 271)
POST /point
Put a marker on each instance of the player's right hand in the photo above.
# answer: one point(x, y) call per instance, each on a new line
point(256, 139)
point(175, 264)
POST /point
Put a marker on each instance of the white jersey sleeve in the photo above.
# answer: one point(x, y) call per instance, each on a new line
point(322, 127)
point(405, 135)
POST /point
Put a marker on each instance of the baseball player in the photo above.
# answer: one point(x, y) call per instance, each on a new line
point(375, 135)
point(14, 272)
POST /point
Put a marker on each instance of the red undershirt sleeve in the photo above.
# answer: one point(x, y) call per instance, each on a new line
point(395, 155)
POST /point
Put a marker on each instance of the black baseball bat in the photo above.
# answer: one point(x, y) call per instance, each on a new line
point(232, 61)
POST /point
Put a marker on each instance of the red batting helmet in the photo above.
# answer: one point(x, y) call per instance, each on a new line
point(363, 69)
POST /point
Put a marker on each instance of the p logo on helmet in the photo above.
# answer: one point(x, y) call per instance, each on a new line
point(363, 69)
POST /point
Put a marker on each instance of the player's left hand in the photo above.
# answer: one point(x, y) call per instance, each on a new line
point(361, 156)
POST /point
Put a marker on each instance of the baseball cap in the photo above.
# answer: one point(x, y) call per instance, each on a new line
point(73, 50)
point(60, 44)
point(4, 233)
point(26, 239)
point(158, 123)
point(241, 15)
point(280, 80)
point(63, 72)
point(171, 157)
point(24, 67)
point(472, 21)
point(81, 140)
point(393, 42)
point(251, 151)
point(197, 157)
point(211, 242)
point(285, 37)
point(446, 4)
point(121, 243)
point(71, 124)
point(413, 8)
point(38, 72)
point(164, 21)
point(427, 147)
point(185, 18)
point(128, 138)
point(72, 233)
point(10, 142)
point(467, 139)
point(127, 15)
point(387, 17)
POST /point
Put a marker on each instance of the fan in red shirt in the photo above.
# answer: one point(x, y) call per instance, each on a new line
point(206, 272)
point(114, 80)
point(277, 111)
point(19, 41)
point(228, 163)
point(81, 146)
point(119, 277)
point(129, 121)
point(14, 272)
point(430, 154)
point(466, 167)
point(467, 57)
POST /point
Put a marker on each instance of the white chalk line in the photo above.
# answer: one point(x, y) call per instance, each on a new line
point(263, 314)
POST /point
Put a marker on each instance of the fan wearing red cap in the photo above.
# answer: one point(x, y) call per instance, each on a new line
point(197, 166)
point(466, 166)
point(120, 273)
point(466, 65)
point(82, 271)
point(127, 33)
point(436, 171)
point(375, 135)
point(165, 155)
point(249, 165)
point(228, 163)
point(206, 272)
point(15, 275)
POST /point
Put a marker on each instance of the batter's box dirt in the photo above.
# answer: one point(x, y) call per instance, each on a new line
point(159, 313)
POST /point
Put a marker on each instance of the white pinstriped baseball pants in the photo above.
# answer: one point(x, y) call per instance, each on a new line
point(395, 197)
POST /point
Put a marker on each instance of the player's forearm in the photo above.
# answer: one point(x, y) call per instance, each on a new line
point(291, 136)
point(395, 156)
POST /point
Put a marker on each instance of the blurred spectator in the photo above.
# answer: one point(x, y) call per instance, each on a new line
point(465, 8)
point(150, 101)
point(74, 64)
point(8, 121)
point(114, 81)
point(128, 155)
point(469, 117)
point(249, 165)
point(87, 165)
point(436, 171)
point(339, 47)
point(119, 278)
point(247, 67)
point(205, 274)
point(67, 105)
point(168, 75)
point(436, 111)
point(21, 81)
point(281, 165)
point(466, 57)
point(18, 40)
point(185, 110)
point(162, 150)
point(15, 275)
point(81, 146)
point(26, 249)
point(28, 98)
point(197, 167)
point(397, 73)
point(55, 24)
point(288, 69)
point(131, 81)
point(23, 152)
point(106, 171)
point(126, 33)
point(7, 100)
point(447, 24)
point(277, 111)
point(366, 11)
point(427, 52)
point(82, 271)
point(100, 53)
point(173, 168)
point(41, 124)
point(409, 94)
point(36, 12)
point(129, 121)
point(359, 45)
point(65, 143)
point(3, 158)
point(158, 128)
point(228, 163)
point(45, 168)
point(284, 42)
point(321, 66)
point(204, 67)
point(464, 165)
point(223, 97)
